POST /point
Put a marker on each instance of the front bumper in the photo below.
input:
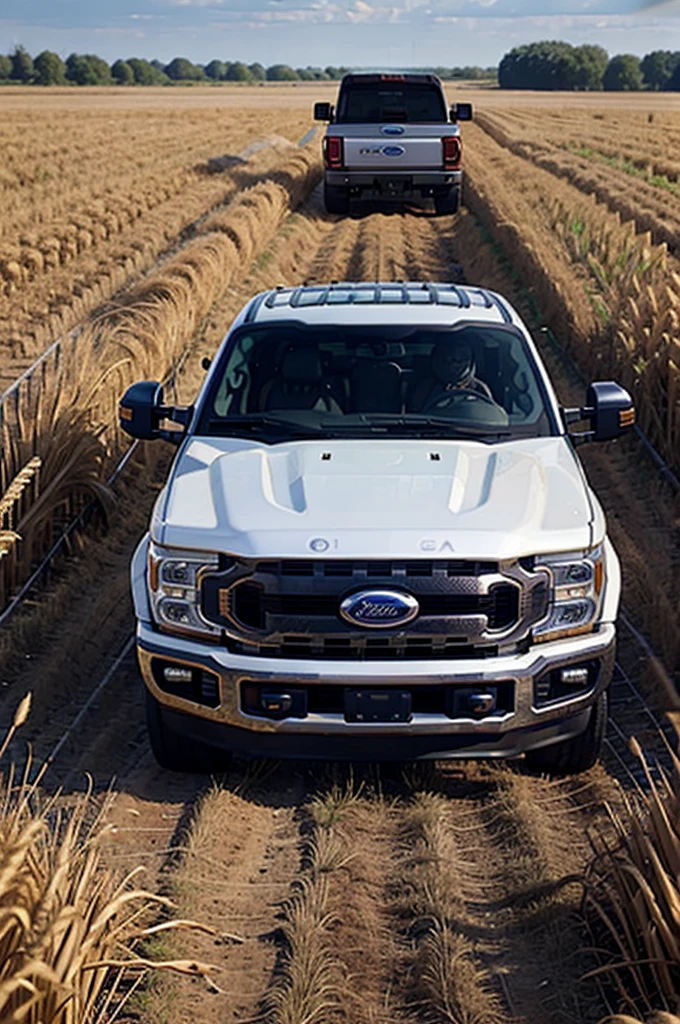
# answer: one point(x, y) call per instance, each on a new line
point(328, 735)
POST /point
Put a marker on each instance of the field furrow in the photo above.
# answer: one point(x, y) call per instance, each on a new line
point(445, 894)
point(651, 207)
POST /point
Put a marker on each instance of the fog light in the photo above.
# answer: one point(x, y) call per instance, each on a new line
point(574, 676)
point(482, 703)
point(177, 674)
point(276, 703)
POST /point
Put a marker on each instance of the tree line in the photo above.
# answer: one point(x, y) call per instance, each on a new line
point(47, 68)
point(557, 65)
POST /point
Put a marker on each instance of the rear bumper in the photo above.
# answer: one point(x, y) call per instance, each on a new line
point(328, 735)
point(383, 183)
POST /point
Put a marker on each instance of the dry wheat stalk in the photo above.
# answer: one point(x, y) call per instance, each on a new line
point(68, 924)
point(634, 893)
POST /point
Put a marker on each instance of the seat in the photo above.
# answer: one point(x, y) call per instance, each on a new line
point(300, 384)
point(375, 386)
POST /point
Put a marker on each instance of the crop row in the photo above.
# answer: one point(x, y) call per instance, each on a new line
point(630, 195)
point(625, 320)
point(61, 297)
point(648, 143)
point(67, 420)
point(54, 166)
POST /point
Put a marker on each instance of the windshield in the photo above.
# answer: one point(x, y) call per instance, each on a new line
point(282, 381)
point(377, 102)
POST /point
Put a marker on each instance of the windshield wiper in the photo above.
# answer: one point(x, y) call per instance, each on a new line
point(409, 421)
point(253, 422)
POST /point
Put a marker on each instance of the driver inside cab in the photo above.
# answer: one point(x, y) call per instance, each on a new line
point(452, 368)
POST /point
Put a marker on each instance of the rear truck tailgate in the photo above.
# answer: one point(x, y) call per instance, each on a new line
point(392, 148)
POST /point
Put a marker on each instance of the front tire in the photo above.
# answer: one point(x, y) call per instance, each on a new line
point(336, 199)
point(179, 753)
point(447, 202)
point(578, 754)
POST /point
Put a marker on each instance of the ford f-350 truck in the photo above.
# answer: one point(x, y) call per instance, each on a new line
point(376, 540)
point(391, 137)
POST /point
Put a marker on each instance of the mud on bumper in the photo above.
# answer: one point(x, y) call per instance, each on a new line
point(526, 715)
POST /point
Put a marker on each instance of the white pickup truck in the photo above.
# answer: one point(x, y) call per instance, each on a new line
point(376, 540)
point(390, 138)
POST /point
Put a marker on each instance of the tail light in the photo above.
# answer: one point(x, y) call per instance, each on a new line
point(452, 151)
point(334, 154)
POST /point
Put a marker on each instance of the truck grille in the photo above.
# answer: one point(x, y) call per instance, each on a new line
point(363, 649)
point(253, 608)
point(290, 608)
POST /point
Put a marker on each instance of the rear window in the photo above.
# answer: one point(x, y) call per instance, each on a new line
point(377, 102)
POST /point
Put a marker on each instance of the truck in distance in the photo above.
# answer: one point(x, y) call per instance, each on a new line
point(391, 137)
point(377, 540)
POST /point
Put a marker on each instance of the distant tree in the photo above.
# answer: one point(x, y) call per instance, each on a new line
point(257, 71)
point(281, 73)
point(510, 69)
point(305, 74)
point(23, 69)
point(182, 70)
point(145, 72)
point(623, 74)
point(469, 73)
point(87, 69)
point(590, 64)
point(215, 70)
point(238, 72)
point(122, 73)
point(333, 73)
point(553, 64)
point(657, 68)
point(49, 69)
point(5, 66)
point(673, 83)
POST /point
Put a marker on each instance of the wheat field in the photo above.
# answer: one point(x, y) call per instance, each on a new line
point(133, 227)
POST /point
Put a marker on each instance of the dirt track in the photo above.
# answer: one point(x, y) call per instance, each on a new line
point(444, 895)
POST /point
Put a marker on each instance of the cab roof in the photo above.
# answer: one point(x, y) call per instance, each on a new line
point(380, 303)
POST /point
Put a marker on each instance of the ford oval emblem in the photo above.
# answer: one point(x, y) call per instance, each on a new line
point(379, 609)
point(393, 150)
point(392, 129)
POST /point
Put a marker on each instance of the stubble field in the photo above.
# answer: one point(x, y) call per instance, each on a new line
point(133, 227)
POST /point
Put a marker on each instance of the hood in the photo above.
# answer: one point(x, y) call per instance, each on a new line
point(376, 499)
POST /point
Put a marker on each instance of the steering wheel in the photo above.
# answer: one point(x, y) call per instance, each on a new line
point(453, 399)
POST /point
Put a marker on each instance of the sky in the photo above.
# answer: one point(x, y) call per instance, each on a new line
point(355, 33)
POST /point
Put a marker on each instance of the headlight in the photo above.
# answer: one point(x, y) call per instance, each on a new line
point(174, 581)
point(575, 595)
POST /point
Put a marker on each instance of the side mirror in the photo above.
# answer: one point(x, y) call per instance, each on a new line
point(141, 410)
point(461, 112)
point(610, 410)
point(323, 111)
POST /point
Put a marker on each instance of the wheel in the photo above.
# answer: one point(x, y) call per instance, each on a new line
point(179, 753)
point(336, 199)
point(448, 202)
point(577, 754)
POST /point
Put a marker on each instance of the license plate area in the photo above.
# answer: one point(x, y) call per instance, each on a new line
point(377, 706)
